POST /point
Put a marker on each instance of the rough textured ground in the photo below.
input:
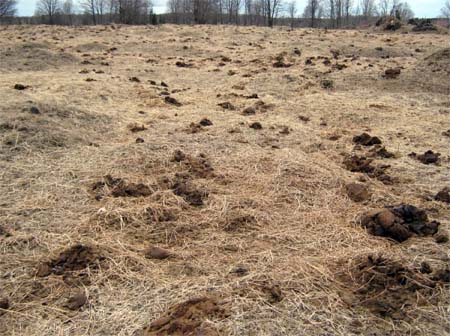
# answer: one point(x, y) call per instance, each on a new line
point(246, 223)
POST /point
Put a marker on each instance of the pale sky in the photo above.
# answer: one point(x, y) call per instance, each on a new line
point(422, 8)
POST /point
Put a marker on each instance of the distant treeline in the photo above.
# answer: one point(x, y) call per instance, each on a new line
point(317, 13)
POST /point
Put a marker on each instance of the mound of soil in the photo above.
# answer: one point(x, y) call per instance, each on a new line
point(438, 61)
point(392, 73)
point(155, 252)
point(280, 62)
point(205, 122)
point(75, 258)
point(236, 222)
point(118, 187)
point(227, 106)
point(256, 125)
point(194, 128)
point(35, 57)
point(134, 128)
point(381, 152)
point(357, 192)
point(361, 164)
point(183, 187)
point(4, 305)
point(187, 318)
point(429, 157)
point(199, 166)
point(443, 195)
point(387, 287)
point(76, 301)
point(390, 23)
point(423, 25)
point(172, 101)
point(399, 223)
point(366, 139)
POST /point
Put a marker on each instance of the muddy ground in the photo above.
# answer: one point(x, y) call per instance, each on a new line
point(223, 181)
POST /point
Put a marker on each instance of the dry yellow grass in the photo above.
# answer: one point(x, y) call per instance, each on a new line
point(277, 239)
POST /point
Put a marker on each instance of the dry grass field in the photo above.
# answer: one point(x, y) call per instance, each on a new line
point(216, 180)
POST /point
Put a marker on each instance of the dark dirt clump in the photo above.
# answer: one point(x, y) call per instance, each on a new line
point(136, 128)
point(20, 87)
point(366, 140)
point(4, 305)
point(392, 73)
point(227, 106)
point(131, 190)
point(429, 157)
point(249, 111)
point(200, 166)
point(172, 101)
point(357, 192)
point(187, 318)
point(76, 301)
point(183, 64)
point(205, 122)
point(423, 25)
point(118, 187)
point(184, 188)
point(361, 164)
point(178, 156)
point(75, 258)
point(256, 125)
point(443, 195)
point(155, 252)
point(399, 223)
point(446, 133)
point(239, 222)
point(280, 62)
point(386, 287)
point(389, 23)
point(326, 84)
point(381, 152)
point(194, 128)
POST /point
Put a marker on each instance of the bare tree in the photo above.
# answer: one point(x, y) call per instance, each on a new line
point(347, 5)
point(445, 11)
point(292, 11)
point(95, 8)
point(313, 11)
point(131, 11)
point(49, 9)
point(271, 9)
point(68, 10)
point(368, 8)
point(403, 11)
point(384, 7)
point(8, 8)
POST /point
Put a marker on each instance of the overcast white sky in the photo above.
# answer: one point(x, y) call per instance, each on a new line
point(422, 8)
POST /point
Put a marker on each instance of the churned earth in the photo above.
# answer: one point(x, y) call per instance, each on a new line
point(218, 180)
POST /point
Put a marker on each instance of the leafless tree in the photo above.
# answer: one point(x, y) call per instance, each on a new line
point(8, 7)
point(368, 8)
point(445, 11)
point(347, 5)
point(68, 10)
point(313, 11)
point(131, 11)
point(95, 8)
point(271, 10)
point(292, 11)
point(403, 11)
point(49, 9)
